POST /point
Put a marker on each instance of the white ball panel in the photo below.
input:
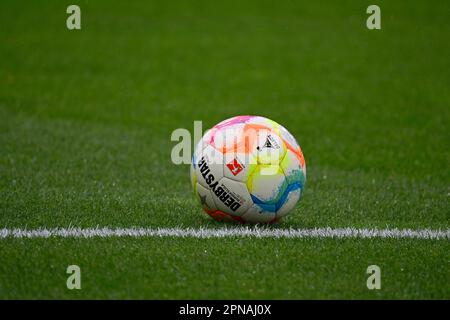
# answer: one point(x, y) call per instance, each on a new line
point(270, 147)
point(285, 134)
point(257, 215)
point(205, 197)
point(239, 166)
point(231, 197)
point(209, 166)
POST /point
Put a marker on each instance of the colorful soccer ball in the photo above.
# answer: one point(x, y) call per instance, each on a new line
point(248, 169)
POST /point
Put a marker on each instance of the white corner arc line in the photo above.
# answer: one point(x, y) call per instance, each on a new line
point(250, 232)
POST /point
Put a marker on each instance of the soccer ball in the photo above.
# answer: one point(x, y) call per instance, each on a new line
point(248, 169)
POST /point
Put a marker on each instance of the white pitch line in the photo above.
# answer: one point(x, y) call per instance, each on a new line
point(250, 232)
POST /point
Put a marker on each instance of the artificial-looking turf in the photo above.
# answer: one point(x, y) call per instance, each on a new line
point(86, 118)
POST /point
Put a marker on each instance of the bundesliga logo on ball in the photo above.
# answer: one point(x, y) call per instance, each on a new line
point(248, 169)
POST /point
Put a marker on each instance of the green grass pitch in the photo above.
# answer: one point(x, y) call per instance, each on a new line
point(86, 118)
